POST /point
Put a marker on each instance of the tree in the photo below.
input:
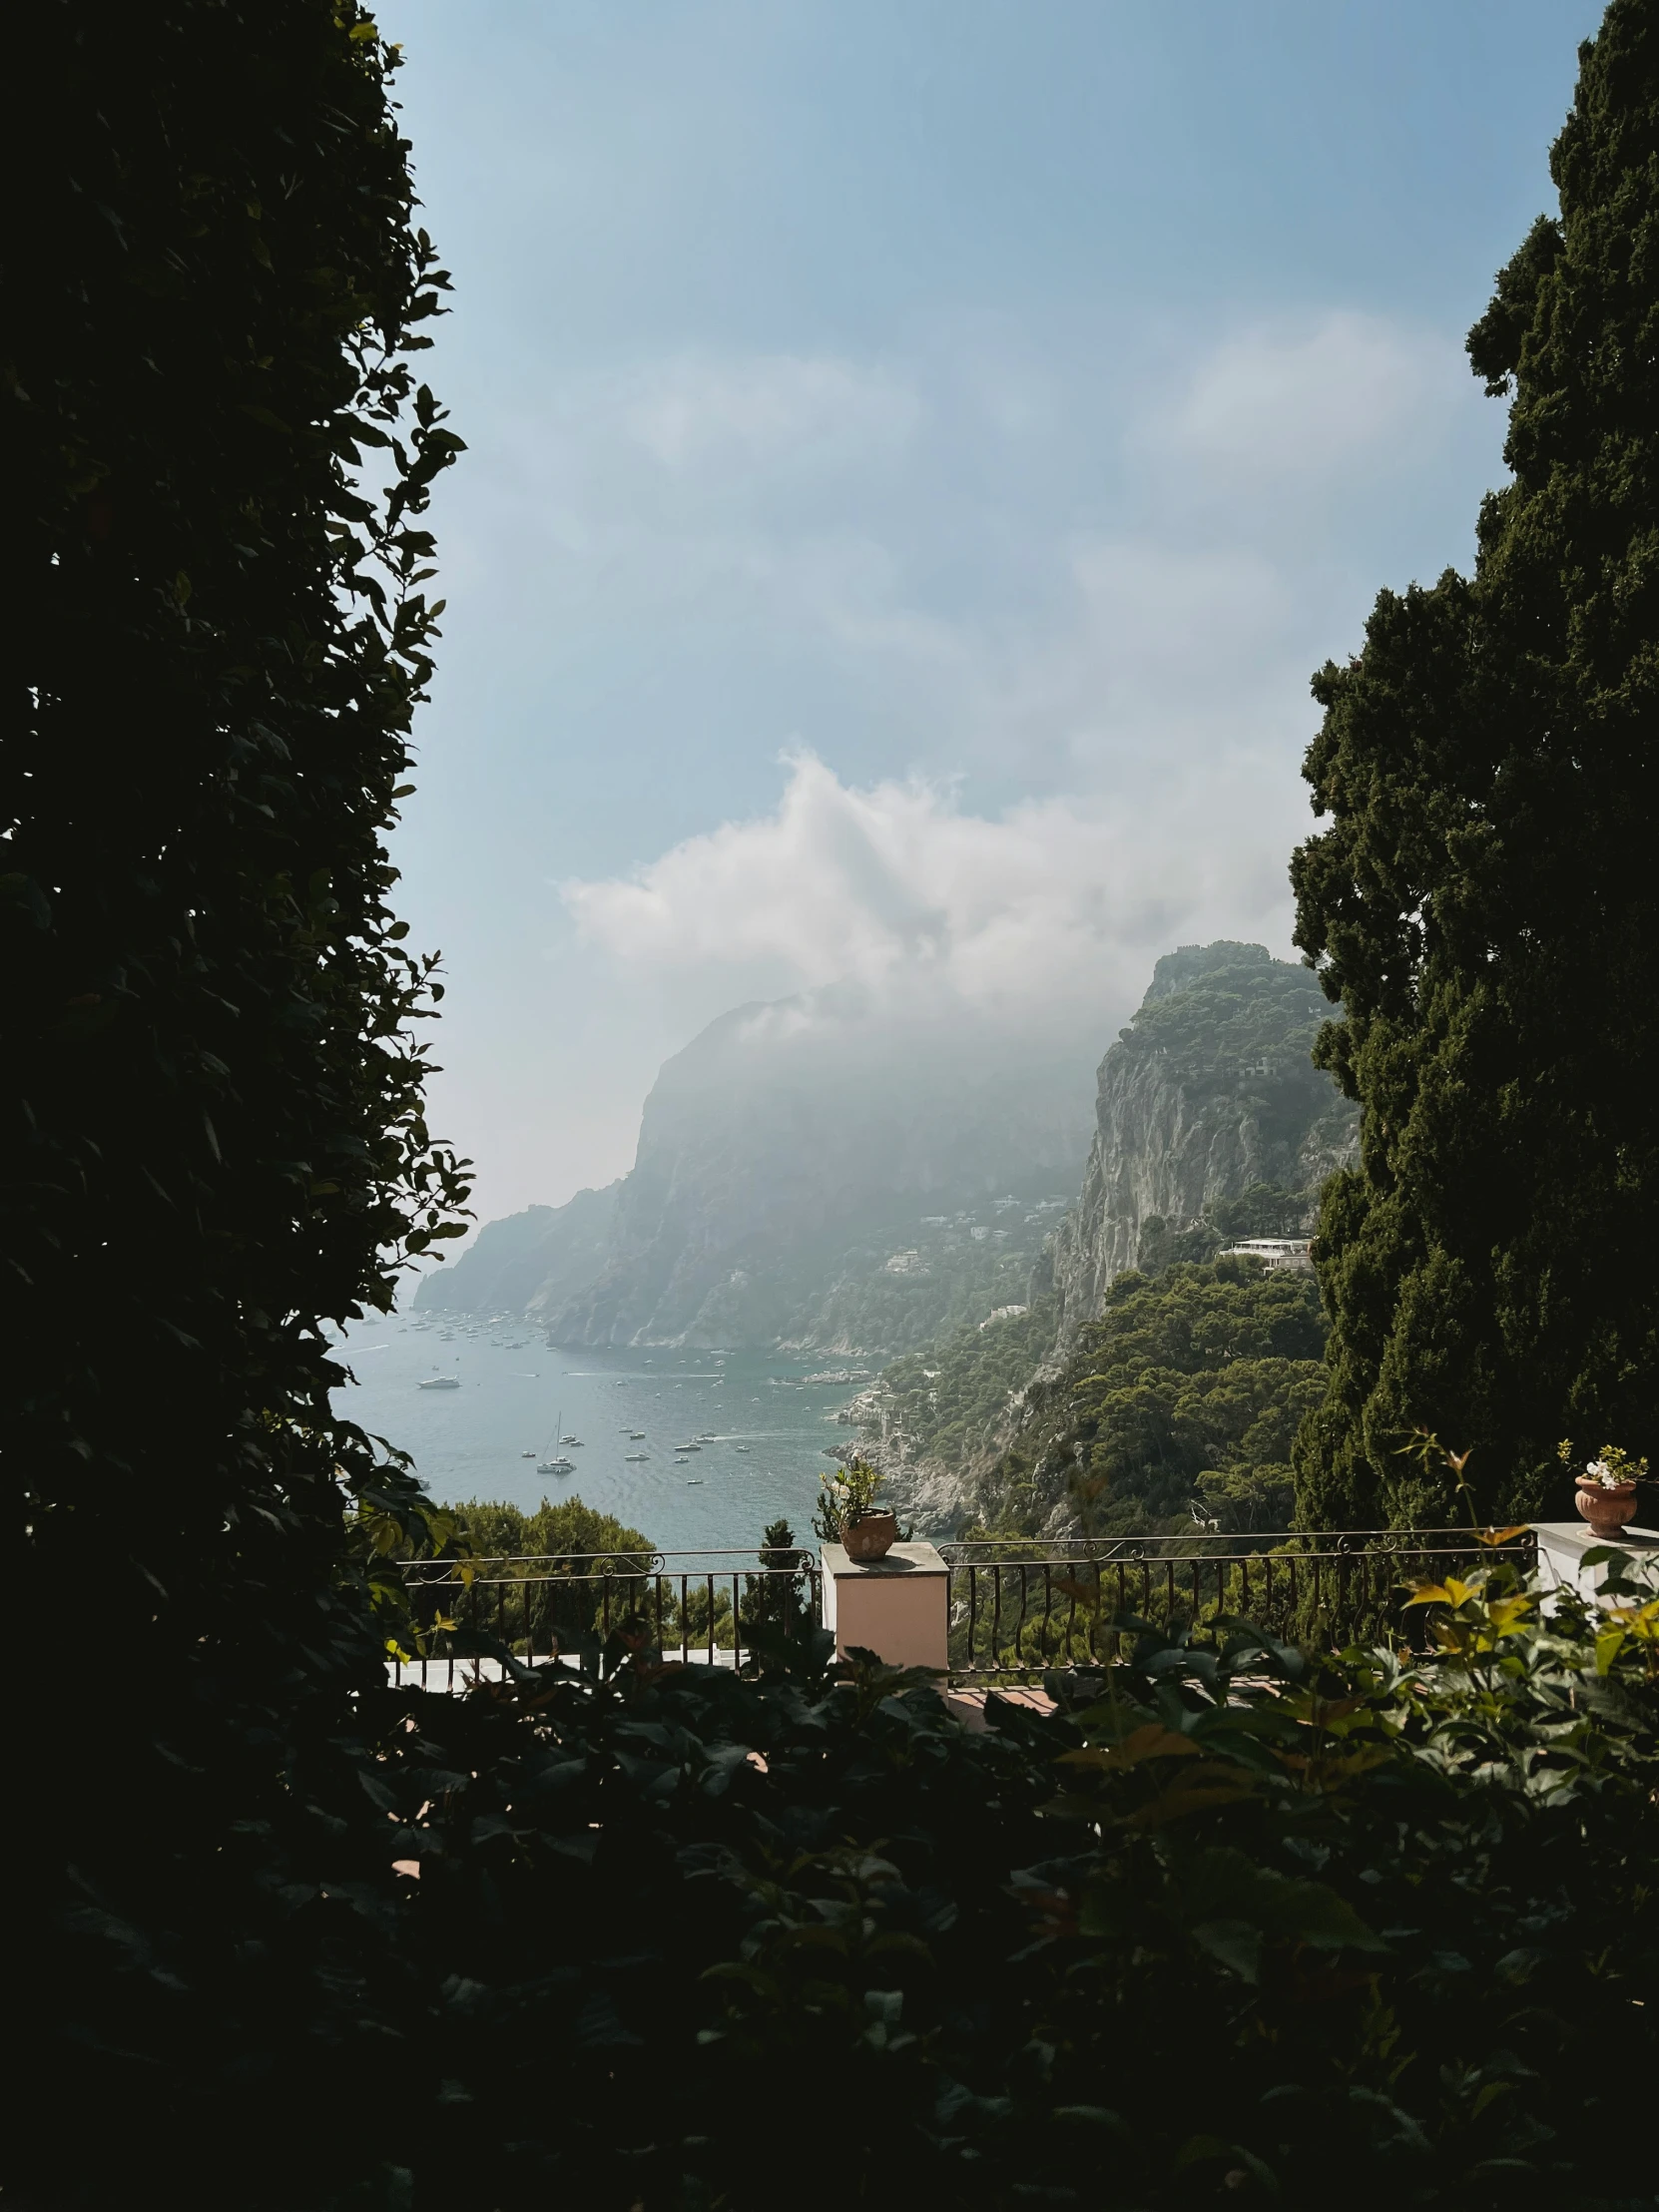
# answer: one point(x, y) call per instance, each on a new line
point(218, 455)
point(1484, 903)
point(1183, 1397)
point(558, 1576)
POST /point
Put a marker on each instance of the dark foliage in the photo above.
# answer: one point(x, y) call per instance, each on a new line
point(1484, 903)
point(217, 457)
point(1227, 1924)
point(493, 1529)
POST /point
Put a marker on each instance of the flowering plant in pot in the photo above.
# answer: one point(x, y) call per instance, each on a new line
point(1606, 1489)
point(848, 1513)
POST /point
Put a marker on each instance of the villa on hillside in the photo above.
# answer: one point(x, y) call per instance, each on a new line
point(1274, 1252)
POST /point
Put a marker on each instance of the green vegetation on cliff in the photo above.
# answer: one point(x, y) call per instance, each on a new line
point(1485, 900)
point(1181, 1403)
point(943, 1400)
point(950, 1282)
point(1232, 1023)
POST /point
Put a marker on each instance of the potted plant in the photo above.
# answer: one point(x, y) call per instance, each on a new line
point(1606, 1491)
point(848, 1514)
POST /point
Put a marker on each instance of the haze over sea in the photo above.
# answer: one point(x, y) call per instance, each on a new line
point(770, 1425)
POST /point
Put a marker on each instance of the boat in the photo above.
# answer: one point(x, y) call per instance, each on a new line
point(632, 1456)
point(635, 1436)
point(695, 1483)
point(576, 1441)
point(442, 1382)
point(740, 1447)
point(527, 1455)
point(688, 1447)
point(705, 1439)
point(555, 1463)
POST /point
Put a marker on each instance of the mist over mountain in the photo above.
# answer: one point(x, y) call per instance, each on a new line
point(828, 1170)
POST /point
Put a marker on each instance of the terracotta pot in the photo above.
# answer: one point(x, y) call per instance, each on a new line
point(1606, 1510)
point(872, 1537)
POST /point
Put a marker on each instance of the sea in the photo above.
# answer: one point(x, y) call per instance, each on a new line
point(770, 1421)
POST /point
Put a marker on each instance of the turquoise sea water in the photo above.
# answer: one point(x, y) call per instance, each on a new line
point(517, 1394)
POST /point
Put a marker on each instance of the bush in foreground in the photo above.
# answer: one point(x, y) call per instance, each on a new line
point(1228, 1922)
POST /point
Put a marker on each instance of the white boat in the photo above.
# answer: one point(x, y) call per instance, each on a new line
point(635, 1436)
point(555, 1463)
point(633, 1456)
point(527, 1455)
point(442, 1382)
point(740, 1447)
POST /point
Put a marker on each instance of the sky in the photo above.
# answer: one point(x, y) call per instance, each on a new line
point(918, 451)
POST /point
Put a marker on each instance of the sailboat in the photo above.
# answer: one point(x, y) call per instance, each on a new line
point(556, 1463)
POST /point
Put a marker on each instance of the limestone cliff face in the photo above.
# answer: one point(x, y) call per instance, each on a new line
point(1209, 1092)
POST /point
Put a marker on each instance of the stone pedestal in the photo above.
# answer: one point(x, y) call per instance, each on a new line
point(898, 1608)
point(1562, 1545)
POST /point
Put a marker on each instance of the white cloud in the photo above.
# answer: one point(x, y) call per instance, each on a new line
point(1288, 409)
point(765, 408)
point(1025, 917)
point(1147, 683)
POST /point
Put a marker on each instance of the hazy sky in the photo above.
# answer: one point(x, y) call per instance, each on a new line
point(918, 451)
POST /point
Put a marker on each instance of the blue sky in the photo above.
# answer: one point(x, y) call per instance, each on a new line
point(918, 451)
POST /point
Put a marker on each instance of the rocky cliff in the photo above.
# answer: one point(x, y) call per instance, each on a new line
point(1207, 1095)
point(809, 1173)
point(1211, 1123)
point(528, 1261)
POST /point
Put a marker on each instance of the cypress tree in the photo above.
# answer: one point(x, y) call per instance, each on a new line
point(1485, 903)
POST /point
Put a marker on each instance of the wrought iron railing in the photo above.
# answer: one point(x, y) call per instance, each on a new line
point(1015, 1609)
point(600, 1608)
point(1020, 1609)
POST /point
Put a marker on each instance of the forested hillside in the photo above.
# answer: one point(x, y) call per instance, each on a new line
point(1179, 1404)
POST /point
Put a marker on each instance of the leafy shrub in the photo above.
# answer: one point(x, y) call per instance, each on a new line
point(1227, 1922)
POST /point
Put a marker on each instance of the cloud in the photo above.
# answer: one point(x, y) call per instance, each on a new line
point(1023, 918)
point(1142, 688)
point(764, 410)
point(1284, 411)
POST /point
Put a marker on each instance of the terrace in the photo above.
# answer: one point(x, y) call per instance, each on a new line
point(978, 1613)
